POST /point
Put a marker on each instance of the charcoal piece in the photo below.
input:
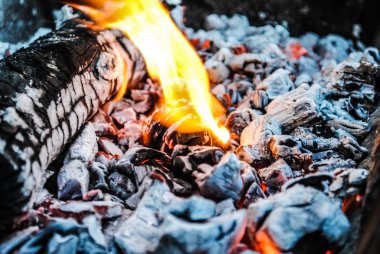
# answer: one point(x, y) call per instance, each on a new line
point(331, 163)
point(144, 101)
point(143, 171)
point(172, 138)
point(153, 228)
point(299, 107)
point(249, 175)
point(49, 90)
point(131, 133)
point(350, 147)
point(358, 177)
point(182, 188)
point(187, 158)
point(217, 66)
point(80, 210)
point(137, 155)
point(251, 156)
point(224, 207)
point(152, 133)
point(73, 180)
point(98, 175)
point(239, 119)
point(317, 144)
point(262, 36)
point(133, 201)
point(84, 147)
point(123, 116)
point(276, 175)
point(222, 180)
point(278, 83)
point(259, 99)
point(253, 194)
point(109, 147)
point(250, 63)
point(320, 181)
point(354, 74)
point(243, 87)
point(287, 217)
point(107, 160)
point(334, 47)
point(215, 22)
point(121, 186)
point(103, 125)
point(355, 128)
point(304, 78)
point(347, 181)
point(257, 135)
point(290, 149)
point(194, 208)
point(61, 236)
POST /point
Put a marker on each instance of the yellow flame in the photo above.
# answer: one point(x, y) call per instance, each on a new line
point(170, 59)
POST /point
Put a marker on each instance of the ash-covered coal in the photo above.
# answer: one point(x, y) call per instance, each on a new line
point(297, 110)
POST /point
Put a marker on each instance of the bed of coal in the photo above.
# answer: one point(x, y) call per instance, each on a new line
point(298, 110)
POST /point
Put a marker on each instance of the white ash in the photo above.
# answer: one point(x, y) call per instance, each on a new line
point(62, 15)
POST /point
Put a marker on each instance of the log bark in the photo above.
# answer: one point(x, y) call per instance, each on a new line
point(47, 92)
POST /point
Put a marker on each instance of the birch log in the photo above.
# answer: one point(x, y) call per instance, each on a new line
point(47, 92)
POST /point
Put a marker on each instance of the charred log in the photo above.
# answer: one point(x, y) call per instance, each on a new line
point(48, 91)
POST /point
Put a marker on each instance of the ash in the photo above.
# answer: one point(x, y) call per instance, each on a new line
point(297, 109)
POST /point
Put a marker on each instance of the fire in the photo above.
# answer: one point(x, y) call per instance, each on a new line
point(170, 59)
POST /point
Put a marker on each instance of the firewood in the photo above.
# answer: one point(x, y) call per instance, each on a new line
point(48, 91)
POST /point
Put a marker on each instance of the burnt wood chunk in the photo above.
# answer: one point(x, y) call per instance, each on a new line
point(47, 92)
point(164, 223)
point(284, 220)
point(221, 181)
point(296, 108)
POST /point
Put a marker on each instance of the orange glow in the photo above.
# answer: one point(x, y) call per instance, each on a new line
point(170, 59)
point(266, 244)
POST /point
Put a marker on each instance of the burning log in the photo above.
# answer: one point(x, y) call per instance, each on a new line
point(48, 91)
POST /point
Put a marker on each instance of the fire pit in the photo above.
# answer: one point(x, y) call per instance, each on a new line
point(125, 130)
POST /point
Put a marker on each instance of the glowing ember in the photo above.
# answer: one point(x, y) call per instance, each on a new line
point(170, 59)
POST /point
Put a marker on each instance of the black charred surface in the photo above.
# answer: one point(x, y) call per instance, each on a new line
point(68, 85)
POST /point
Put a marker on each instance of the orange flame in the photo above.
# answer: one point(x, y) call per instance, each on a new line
point(170, 59)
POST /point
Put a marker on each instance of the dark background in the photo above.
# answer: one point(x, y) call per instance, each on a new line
point(19, 21)
point(319, 16)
